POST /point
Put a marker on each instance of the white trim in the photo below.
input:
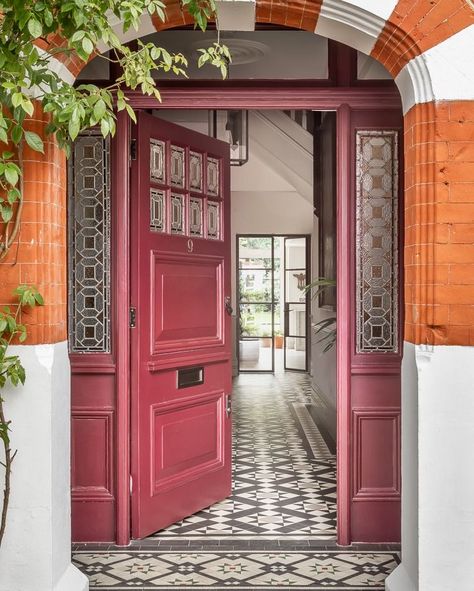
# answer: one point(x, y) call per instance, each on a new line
point(57, 67)
point(350, 21)
point(444, 72)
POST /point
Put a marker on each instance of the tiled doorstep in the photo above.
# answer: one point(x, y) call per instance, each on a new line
point(251, 569)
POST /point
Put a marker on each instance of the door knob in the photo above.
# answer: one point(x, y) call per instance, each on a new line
point(228, 307)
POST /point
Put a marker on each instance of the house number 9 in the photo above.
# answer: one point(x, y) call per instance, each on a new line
point(190, 245)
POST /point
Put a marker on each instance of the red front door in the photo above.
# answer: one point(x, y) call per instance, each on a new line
point(181, 342)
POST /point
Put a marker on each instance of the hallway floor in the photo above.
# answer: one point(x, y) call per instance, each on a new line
point(277, 529)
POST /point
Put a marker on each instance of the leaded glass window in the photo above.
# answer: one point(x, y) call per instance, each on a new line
point(177, 167)
point(213, 176)
point(195, 171)
point(177, 214)
point(157, 161)
point(89, 245)
point(377, 241)
point(195, 216)
point(213, 220)
point(157, 210)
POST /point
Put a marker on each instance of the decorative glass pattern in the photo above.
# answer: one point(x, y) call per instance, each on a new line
point(377, 241)
point(177, 214)
point(213, 177)
point(177, 167)
point(157, 161)
point(89, 245)
point(213, 220)
point(195, 216)
point(195, 171)
point(157, 210)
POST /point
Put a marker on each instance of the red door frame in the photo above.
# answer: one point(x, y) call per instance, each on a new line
point(340, 99)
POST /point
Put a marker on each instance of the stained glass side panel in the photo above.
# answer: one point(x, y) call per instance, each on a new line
point(195, 216)
point(177, 214)
point(89, 245)
point(195, 171)
point(377, 241)
point(157, 210)
point(177, 167)
point(157, 161)
point(213, 177)
point(213, 220)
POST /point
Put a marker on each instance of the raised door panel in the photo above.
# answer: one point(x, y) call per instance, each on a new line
point(177, 459)
point(186, 302)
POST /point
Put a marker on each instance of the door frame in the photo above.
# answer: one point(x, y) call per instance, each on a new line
point(339, 99)
point(307, 238)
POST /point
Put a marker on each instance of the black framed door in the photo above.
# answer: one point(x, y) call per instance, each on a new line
point(296, 302)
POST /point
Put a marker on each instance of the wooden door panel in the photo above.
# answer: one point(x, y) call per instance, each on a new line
point(181, 346)
point(177, 459)
point(187, 296)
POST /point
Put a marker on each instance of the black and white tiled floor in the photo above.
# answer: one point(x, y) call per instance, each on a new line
point(276, 530)
point(284, 481)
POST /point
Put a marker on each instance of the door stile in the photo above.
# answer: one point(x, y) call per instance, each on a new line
point(121, 233)
point(343, 314)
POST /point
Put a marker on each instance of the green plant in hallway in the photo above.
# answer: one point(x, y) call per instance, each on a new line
point(12, 373)
point(325, 329)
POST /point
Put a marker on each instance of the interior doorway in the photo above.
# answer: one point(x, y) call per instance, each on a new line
point(273, 333)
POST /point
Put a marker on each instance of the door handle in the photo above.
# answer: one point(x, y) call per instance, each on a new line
point(228, 405)
point(228, 307)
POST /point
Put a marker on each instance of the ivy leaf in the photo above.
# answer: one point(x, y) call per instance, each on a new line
point(34, 141)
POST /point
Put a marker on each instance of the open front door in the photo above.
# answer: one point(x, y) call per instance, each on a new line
point(180, 318)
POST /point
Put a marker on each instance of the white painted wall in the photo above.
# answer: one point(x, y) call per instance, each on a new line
point(36, 554)
point(438, 479)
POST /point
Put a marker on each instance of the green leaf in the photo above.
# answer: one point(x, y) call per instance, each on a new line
point(35, 28)
point(34, 141)
point(11, 174)
point(99, 109)
point(17, 134)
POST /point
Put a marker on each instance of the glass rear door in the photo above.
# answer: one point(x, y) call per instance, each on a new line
point(256, 303)
point(296, 300)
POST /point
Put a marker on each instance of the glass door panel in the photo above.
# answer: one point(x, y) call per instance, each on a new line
point(296, 277)
point(255, 303)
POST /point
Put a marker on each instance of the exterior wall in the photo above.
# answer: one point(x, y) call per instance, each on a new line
point(36, 553)
point(439, 223)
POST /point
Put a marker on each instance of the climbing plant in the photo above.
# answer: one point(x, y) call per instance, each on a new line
point(12, 373)
point(29, 72)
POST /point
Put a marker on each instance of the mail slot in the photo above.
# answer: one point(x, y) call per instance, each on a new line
point(190, 376)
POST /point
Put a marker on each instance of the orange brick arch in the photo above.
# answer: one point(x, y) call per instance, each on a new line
point(439, 171)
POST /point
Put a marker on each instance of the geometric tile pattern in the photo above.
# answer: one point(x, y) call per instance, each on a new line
point(155, 570)
point(284, 479)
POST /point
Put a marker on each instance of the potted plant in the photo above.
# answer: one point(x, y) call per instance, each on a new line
point(278, 337)
point(266, 339)
point(249, 343)
point(325, 329)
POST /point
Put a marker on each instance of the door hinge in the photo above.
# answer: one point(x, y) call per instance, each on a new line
point(133, 149)
point(131, 484)
point(132, 321)
point(228, 405)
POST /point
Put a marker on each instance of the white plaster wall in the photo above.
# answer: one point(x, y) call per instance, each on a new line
point(438, 479)
point(36, 554)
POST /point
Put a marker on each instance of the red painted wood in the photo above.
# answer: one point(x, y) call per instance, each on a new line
point(343, 222)
point(375, 387)
point(92, 449)
point(264, 97)
point(181, 437)
point(121, 248)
